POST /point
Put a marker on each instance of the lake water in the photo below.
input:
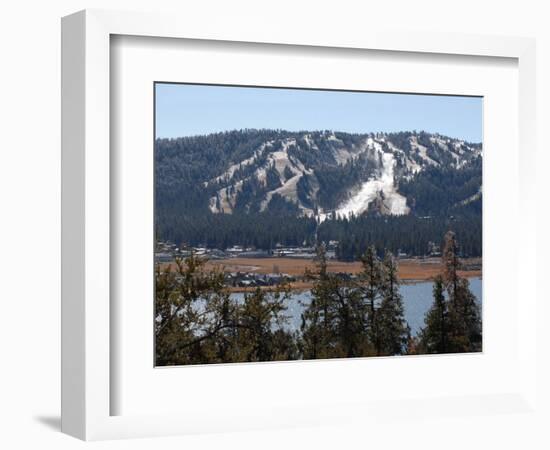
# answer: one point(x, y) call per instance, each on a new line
point(417, 300)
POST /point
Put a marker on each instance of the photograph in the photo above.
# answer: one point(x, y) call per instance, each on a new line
point(299, 224)
point(275, 225)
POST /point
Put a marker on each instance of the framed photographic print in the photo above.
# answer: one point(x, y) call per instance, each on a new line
point(252, 218)
point(285, 231)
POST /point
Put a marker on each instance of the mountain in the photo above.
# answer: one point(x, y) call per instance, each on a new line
point(320, 176)
point(310, 173)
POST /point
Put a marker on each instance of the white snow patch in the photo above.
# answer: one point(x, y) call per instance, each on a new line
point(342, 155)
point(422, 151)
point(332, 137)
point(281, 160)
point(310, 143)
point(232, 169)
point(393, 201)
point(226, 201)
point(245, 162)
point(288, 190)
point(458, 162)
point(411, 166)
point(471, 198)
point(371, 143)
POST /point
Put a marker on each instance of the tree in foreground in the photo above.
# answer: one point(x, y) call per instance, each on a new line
point(334, 321)
point(434, 338)
point(191, 307)
point(261, 335)
point(317, 321)
point(453, 324)
point(348, 318)
point(197, 322)
point(394, 332)
point(370, 288)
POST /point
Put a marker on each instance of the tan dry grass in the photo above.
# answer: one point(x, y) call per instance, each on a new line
point(409, 269)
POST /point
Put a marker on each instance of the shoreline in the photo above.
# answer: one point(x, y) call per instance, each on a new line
point(302, 286)
point(410, 271)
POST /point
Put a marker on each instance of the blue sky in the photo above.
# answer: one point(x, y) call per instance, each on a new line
point(187, 110)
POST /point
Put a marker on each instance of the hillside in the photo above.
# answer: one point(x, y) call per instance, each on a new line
point(295, 186)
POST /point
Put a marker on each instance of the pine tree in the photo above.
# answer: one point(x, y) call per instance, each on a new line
point(369, 286)
point(434, 337)
point(451, 263)
point(464, 313)
point(465, 319)
point(192, 307)
point(317, 318)
point(334, 323)
point(393, 329)
point(197, 322)
point(261, 336)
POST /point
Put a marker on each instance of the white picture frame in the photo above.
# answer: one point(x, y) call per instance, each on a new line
point(86, 219)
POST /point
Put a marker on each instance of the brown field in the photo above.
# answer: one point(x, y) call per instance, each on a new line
point(410, 270)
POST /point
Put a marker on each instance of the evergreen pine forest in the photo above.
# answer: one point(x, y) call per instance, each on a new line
point(198, 322)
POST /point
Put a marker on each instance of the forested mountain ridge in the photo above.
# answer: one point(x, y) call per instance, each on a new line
point(305, 178)
point(312, 173)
